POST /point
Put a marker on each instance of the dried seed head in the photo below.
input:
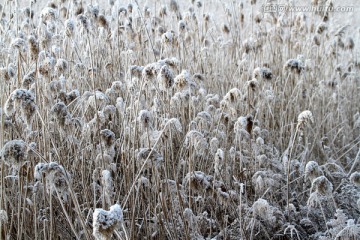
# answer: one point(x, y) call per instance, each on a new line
point(349, 43)
point(183, 80)
point(355, 179)
point(182, 26)
point(145, 118)
point(175, 124)
point(105, 222)
point(317, 40)
point(34, 47)
point(226, 29)
point(155, 159)
point(3, 217)
point(174, 6)
point(294, 65)
point(165, 78)
point(253, 84)
point(103, 22)
point(61, 66)
point(233, 96)
point(322, 186)
point(321, 28)
point(61, 113)
point(14, 153)
point(312, 170)
point(69, 28)
point(167, 37)
point(48, 14)
point(107, 137)
point(122, 11)
point(83, 21)
point(162, 11)
point(130, 8)
point(305, 117)
point(18, 43)
point(262, 73)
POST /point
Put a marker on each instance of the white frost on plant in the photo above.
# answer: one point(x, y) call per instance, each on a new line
point(105, 222)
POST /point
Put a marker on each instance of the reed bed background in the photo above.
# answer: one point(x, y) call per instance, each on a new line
point(178, 120)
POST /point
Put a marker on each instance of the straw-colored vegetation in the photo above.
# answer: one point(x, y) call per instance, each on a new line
point(177, 120)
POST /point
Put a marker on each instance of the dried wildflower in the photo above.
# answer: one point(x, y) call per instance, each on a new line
point(233, 96)
point(105, 222)
point(355, 179)
point(145, 118)
point(28, 79)
point(226, 29)
point(295, 65)
point(3, 217)
point(262, 73)
point(155, 159)
point(196, 140)
point(165, 78)
point(48, 14)
point(83, 21)
point(39, 170)
point(103, 22)
point(349, 44)
point(18, 43)
point(69, 28)
point(61, 66)
point(253, 84)
point(151, 70)
point(321, 28)
point(14, 153)
point(175, 123)
point(167, 38)
point(107, 138)
point(214, 145)
point(198, 181)
point(27, 107)
point(322, 186)
point(174, 6)
point(162, 11)
point(61, 113)
point(34, 47)
point(351, 231)
point(312, 170)
point(56, 177)
point(305, 117)
point(181, 26)
point(265, 181)
point(263, 210)
point(136, 70)
point(183, 80)
point(99, 100)
point(94, 10)
point(122, 11)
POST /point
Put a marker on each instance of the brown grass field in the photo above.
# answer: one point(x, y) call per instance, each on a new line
point(179, 120)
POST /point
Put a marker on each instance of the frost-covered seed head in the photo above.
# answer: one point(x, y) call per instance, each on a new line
point(105, 222)
point(305, 117)
point(145, 118)
point(312, 170)
point(322, 186)
point(355, 179)
point(107, 137)
point(3, 217)
point(14, 152)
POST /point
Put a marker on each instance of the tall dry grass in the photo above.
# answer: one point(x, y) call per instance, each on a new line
point(177, 120)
